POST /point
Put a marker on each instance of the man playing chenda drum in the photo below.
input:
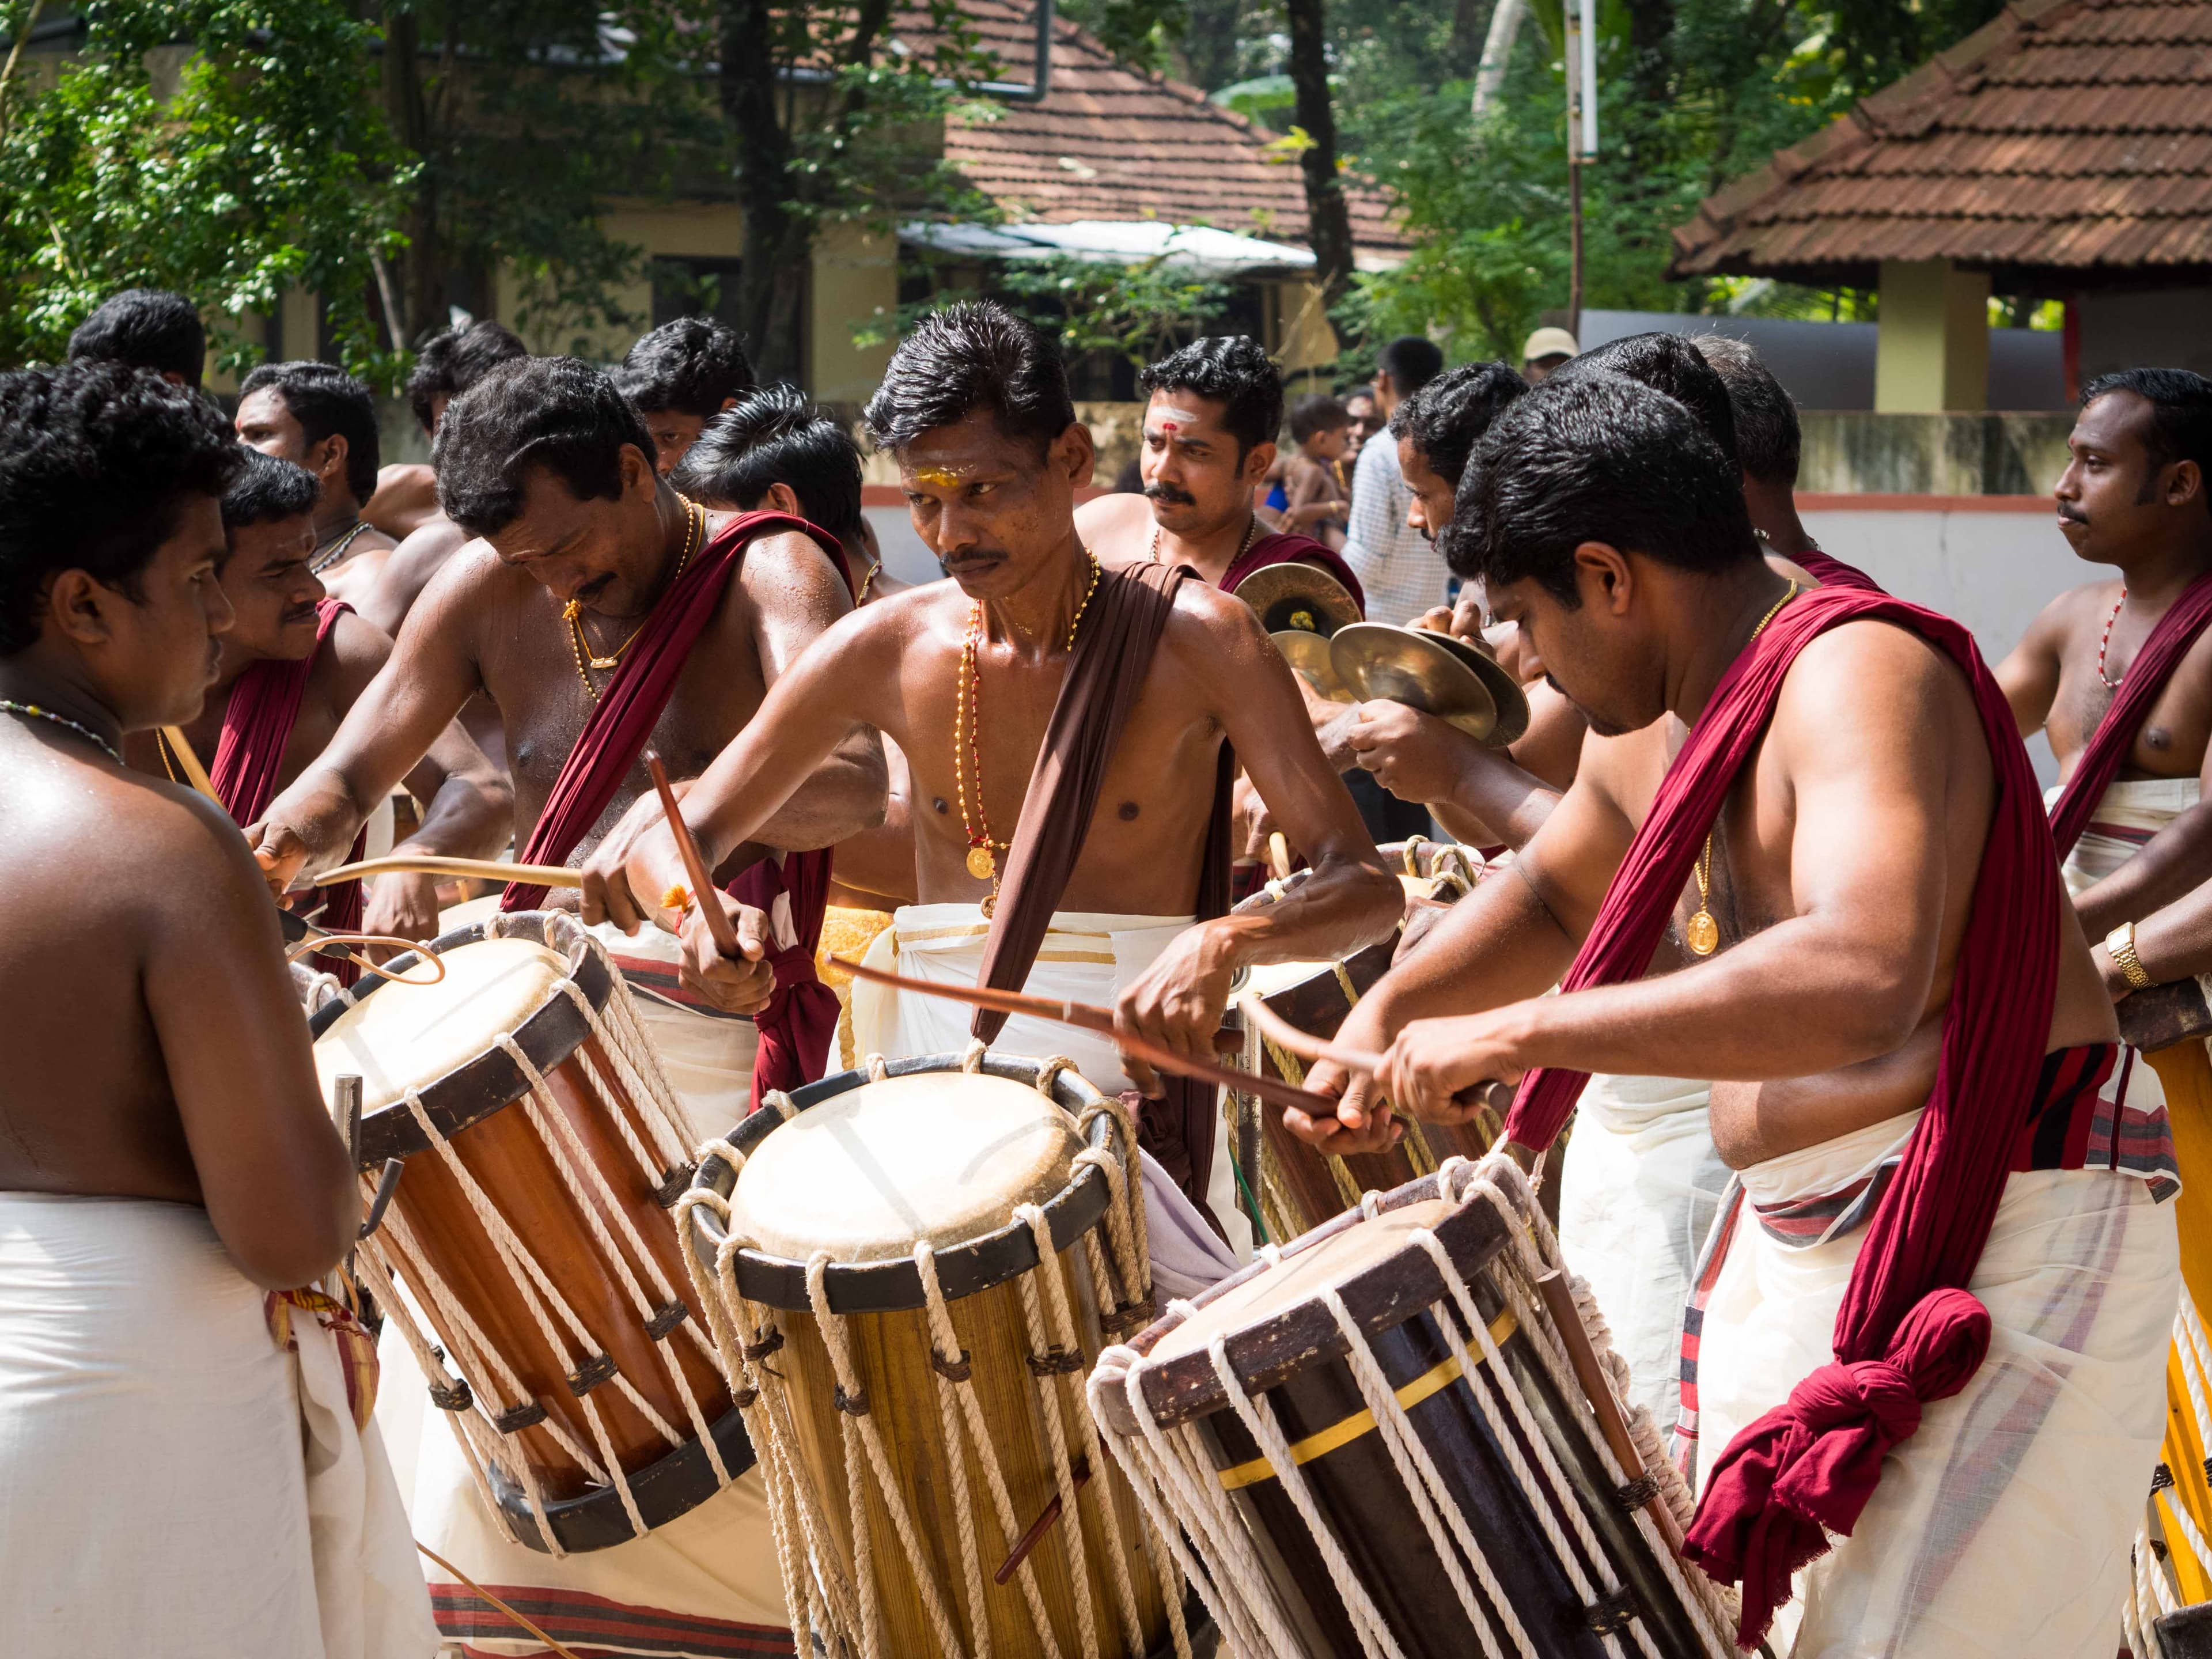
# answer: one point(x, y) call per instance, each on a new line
point(603, 611)
point(965, 675)
point(178, 1480)
point(1839, 899)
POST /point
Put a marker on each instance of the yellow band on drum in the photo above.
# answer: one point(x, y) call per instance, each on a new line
point(1322, 1441)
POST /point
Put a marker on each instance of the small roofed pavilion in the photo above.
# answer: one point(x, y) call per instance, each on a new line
point(2064, 151)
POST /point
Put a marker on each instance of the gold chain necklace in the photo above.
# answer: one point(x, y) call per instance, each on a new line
point(1701, 932)
point(1251, 535)
point(694, 531)
point(968, 742)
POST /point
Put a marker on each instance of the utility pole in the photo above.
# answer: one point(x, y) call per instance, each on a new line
point(1580, 18)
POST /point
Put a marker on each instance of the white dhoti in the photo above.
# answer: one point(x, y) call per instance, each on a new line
point(1085, 958)
point(1638, 1190)
point(172, 1482)
point(2003, 1526)
point(707, 1583)
point(2128, 815)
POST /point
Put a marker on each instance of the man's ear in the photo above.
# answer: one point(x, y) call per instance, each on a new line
point(1605, 577)
point(640, 472)
point(1073, 453)
point(2184, 484)
point(1256, 462)
point(782, 498)
point(328, 458)
point(82, 609)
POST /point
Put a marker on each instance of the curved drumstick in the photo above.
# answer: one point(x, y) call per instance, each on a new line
point(1499, 1097)
point(438, 864)
point(703, 884)
point(317, 940)
point(1278, 855)
point(1092, 1017)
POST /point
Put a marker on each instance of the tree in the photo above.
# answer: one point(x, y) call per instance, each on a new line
point(831, 124)
point(1328, 214)
point(227, 149)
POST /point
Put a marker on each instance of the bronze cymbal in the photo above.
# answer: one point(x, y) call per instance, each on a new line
point(1308, 653)
point(1505, 691)
point(1303, 597)
point(1406, 664)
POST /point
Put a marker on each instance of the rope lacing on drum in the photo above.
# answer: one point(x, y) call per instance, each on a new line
point(971, 1057)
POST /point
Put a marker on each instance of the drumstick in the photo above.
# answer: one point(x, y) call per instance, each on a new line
point(702, 884)
point(1499, 1097)
point(195, 774)
point(1560, 1301)
point(438, 864)
point(1092, 1017)
point(1278, 855)
point(1079, 1469)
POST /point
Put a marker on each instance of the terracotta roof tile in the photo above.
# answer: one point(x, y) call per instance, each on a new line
point(2066, 137)
point(1112, 142)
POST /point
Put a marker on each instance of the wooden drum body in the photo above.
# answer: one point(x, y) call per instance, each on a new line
point(912, 1449)
point(1423, 1479)
point(529, 1237)
point(1299, 1186)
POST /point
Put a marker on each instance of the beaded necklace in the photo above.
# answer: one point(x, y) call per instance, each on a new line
point(34, 712)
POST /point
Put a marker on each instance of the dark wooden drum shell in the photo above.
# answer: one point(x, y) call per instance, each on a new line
point(1297, 1358)
point(474, 1107)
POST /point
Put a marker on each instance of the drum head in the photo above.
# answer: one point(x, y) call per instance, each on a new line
point(869, 1173)
point(409, 1036)
point(1329, 1262)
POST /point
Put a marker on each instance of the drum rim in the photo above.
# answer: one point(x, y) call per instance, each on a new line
point(488, 1085)
point(671, 1485)
point(1263, 1353)
point(895, 1286)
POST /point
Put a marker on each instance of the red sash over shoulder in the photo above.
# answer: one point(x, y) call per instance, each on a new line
point(1830, 571)
point(2108, 745)
point(1908, 1332)
point(800, 1018)
point(249, 758)
point(1284, 547)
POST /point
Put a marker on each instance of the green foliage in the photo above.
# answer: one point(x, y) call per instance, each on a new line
point(249, 163)
point(1144, 33)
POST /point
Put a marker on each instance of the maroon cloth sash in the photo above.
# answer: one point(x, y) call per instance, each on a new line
point(1106, 672)
point(1830, 571)
point(1286, 547)
point(2108, 745)
point(1907, 1332)
point(801, 1016)
point(249, 760)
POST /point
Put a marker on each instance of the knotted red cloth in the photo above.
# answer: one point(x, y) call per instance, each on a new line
point(249, 761)
point(1812, 1463)
point(1286, 547)
point(2108, 745)
point(801, 1017)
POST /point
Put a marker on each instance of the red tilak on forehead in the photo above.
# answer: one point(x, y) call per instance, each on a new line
point(1169, 426)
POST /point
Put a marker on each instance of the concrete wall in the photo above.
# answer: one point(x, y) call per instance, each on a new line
point(1947, 454)
point(1991, 562)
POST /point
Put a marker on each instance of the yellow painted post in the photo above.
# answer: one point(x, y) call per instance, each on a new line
point(2186, 1071)
point(1932, 347)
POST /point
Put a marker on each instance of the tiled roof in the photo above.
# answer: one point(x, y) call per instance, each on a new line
point(1113, 143)
point(2067, 139)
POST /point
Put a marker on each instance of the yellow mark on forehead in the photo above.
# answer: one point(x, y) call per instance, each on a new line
point(937, 476)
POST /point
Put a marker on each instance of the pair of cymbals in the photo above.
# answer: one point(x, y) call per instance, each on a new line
point(1456, 680)
point(1301, 606)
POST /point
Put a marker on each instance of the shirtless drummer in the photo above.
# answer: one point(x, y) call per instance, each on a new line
point(1876, 891)
point(561, 604)
point(964, 676)
point(166, 1162)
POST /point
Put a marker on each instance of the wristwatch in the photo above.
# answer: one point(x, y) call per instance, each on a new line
point(2120, 946)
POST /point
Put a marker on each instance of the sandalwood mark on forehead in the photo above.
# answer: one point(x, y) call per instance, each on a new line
point(1174, 420)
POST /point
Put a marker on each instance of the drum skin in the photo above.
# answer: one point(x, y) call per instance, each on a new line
point(522, 1177)
point(892, 1352)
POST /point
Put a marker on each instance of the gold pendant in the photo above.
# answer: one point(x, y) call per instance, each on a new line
point(1702, 933)
point(603, 663)
point(981, 864)
point(990, 905)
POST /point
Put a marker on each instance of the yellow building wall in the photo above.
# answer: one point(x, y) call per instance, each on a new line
point(1307, 345)
point(1932, 350)
point(855, 285)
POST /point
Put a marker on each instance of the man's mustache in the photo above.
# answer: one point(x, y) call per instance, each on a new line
point(1168, 493)
point(2072, 515)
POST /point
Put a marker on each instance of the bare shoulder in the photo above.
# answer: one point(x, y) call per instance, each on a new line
point(350, 658)
point(1219, 636)
point(2077, 608)
point(146, 852)
point(1118, 526)
point(1869, 675)
point(790, 565)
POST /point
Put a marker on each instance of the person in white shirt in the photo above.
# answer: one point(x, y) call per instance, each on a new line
point(1395, 561)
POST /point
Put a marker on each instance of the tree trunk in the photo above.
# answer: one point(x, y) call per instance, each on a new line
point(1329, 217)
point(1463, 55)
point(768, 286)
point(421, 282)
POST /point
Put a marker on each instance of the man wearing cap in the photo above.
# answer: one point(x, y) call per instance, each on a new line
point(1546, 349)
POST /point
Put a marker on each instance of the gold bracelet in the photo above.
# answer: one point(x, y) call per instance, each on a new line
point(2120, 946)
